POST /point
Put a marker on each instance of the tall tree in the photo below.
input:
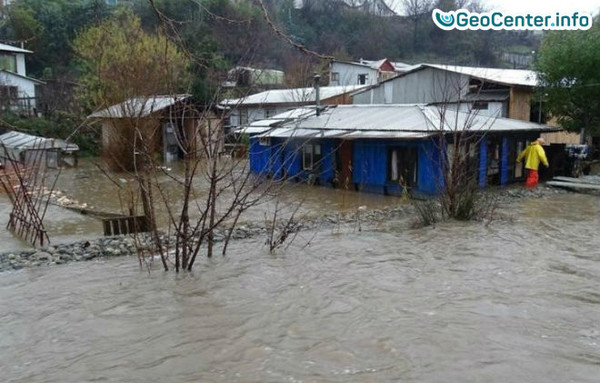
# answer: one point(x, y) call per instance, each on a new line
point(569, 72)
point(119, 60)
point(48, 27)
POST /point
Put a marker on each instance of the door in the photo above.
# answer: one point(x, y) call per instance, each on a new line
point(344, 165)
point(170, 142)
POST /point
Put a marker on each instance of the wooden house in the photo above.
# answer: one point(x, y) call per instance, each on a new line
point(165, 126)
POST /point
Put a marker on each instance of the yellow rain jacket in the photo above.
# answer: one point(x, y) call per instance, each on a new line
point(533, 154)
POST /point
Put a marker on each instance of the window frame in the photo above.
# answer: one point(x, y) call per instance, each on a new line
point(414, 181)
point(311, 160)
point(270, 112)
point(481, 105)
point(9, 58)
point(363, 75)
point(243, 116)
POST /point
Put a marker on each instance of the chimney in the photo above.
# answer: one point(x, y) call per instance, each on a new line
point(317, 93)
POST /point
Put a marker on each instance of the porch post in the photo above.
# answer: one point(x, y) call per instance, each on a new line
point(483, 149)
point(504, 162)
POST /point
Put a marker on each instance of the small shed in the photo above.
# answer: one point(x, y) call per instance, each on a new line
point(388, 148)
point(32, 150)
point(168, 124)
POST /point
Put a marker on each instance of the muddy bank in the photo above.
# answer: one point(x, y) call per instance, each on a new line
point(89, 249)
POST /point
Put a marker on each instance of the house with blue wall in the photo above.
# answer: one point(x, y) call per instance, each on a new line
point(388, 149)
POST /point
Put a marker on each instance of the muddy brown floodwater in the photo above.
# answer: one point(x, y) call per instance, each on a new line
point(515, 301)
point(87, 185)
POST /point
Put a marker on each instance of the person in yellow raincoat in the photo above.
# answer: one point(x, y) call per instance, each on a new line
point(533, 154)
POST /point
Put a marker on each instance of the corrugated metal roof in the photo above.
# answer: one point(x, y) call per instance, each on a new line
point(519, 77)
point(10, 48)
point(406, 118)
point(139, 106)
point(339, 133)
point(23, 141)
point(260, 126)
point(291, 96)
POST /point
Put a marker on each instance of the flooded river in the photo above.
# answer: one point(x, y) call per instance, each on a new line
point(87, 185)
point(515, 301)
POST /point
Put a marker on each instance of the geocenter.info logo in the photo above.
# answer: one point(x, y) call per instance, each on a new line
point(463, 20)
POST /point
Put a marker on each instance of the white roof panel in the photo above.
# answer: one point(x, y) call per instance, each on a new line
point(291, 96)
point(519, 77)
point(418, 120)
point(139, 107)
point(10, 48)
point(23, 141)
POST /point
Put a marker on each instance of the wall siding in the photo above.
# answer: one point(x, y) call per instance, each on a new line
point(370, 163)
point(519, 107)
point(424, 86)
point(348, 74)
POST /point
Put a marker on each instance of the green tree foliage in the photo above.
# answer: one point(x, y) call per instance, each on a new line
point(48, 27)
point(569, 66)
point(119, 60)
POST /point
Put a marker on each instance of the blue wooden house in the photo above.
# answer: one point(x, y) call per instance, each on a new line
point(387, 149)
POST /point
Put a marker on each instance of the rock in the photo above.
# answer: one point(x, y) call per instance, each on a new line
point(42, 256)
point(16, 265)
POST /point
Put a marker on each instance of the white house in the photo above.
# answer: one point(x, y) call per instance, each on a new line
point(17, 90)
point(364, 72)
point(264, 105)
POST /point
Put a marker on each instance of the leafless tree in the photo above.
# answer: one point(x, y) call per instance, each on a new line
point(458, 129)
point(416, 10)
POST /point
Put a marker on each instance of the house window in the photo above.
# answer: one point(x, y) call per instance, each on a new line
point(403, 167)
point(480, 106)
point(335, 76)
point(8, 62)
point(270, 112)
point(311, 156)
point(243, 117)
point(8, 92)
point(264, 141)
point(363, 78)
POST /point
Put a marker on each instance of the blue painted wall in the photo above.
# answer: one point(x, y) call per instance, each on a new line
point(284, 159)
point(369, 160)
point(259, 157)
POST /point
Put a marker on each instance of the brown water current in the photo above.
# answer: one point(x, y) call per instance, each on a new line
point(87, 185)
point(515, 301)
